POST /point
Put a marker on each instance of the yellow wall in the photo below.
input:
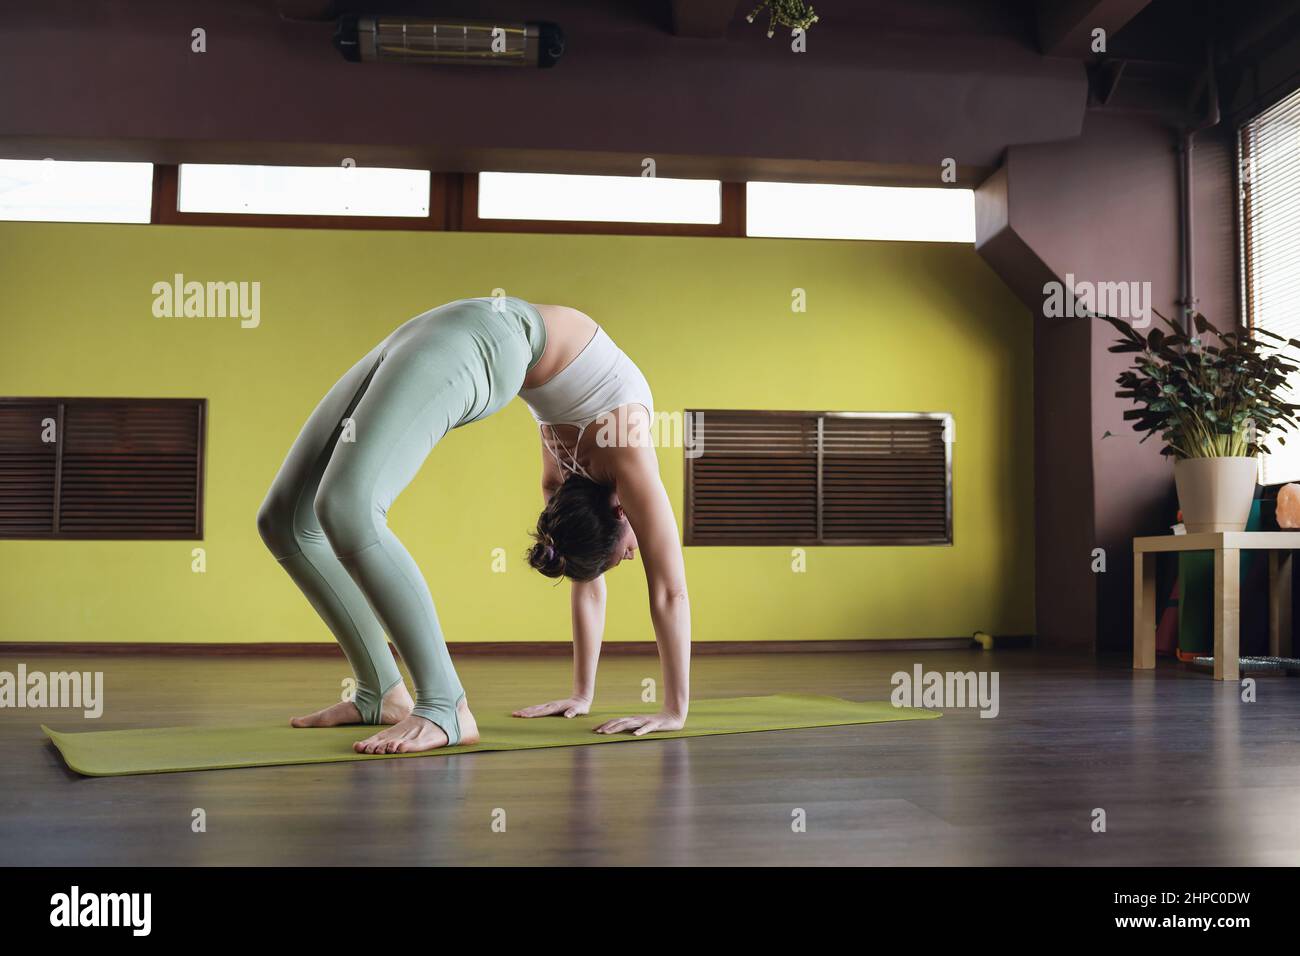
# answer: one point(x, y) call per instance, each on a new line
point(889, 326)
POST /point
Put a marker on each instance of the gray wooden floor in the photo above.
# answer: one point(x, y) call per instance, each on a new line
point(1186, 773)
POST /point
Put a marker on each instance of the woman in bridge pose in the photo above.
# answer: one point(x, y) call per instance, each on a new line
point(325, 515)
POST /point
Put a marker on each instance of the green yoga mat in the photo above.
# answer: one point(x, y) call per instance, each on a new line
point(113, 753)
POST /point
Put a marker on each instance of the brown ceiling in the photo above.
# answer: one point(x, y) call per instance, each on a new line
point(887, 90)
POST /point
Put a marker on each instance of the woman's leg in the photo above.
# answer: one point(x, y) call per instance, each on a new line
point(288, 524)
point(421, 390)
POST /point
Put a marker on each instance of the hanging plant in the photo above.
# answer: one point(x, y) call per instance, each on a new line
point(794, 14)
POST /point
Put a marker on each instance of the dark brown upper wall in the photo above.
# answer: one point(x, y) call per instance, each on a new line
point(869, 91)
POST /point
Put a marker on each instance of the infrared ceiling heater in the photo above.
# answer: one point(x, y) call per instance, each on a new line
point(449, 42)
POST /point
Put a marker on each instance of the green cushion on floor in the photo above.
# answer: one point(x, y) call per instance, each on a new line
point(109, 753)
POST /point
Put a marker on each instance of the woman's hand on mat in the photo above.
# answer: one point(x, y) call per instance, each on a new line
point(644, 724)
point(569, 707)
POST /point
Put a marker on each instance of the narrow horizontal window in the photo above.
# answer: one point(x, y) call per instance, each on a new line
point(827, 211)
point(563, 197)
point(791, 478)
point(48, 190)
point(303, 190)
point(101, 467)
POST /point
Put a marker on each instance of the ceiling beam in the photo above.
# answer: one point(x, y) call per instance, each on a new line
point(1065, 26)
point(703, 19)
point(300, 10)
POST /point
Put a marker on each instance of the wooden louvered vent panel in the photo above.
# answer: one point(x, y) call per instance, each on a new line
point(789, 478)
point(756, 480)
point(885, 480)
point(27, 468)
point(121, 468)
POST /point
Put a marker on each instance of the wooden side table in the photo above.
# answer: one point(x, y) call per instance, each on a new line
point(1227, 547)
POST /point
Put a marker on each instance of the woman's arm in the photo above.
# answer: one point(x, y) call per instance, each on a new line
point(587, 606)
point(587, 610)
point(645, 502)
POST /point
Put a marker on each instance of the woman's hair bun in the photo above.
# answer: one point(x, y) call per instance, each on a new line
point(544, 557)
point(577, 532)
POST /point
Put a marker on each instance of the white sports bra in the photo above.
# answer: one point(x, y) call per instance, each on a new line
point(598, 380)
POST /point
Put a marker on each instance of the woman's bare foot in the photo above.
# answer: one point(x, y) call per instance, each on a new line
point(415, 734)
point(397, 706)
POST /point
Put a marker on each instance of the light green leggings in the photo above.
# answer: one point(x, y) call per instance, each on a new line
point(325, 516)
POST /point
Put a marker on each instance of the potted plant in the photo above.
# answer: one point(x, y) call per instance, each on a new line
point(1213, 402)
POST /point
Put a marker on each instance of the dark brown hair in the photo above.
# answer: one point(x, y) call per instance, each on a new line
point(576, 532)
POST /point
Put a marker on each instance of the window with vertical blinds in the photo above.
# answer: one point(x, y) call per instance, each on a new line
point(1269, 156)
point(101, 467)
point(812, 478)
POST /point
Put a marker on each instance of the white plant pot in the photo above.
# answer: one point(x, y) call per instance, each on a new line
point(1215, 493)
